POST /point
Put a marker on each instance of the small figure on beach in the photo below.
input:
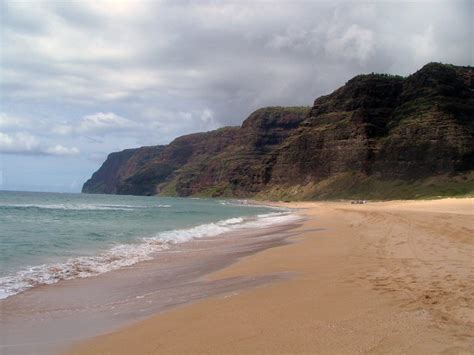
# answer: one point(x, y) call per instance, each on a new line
point(359, 202)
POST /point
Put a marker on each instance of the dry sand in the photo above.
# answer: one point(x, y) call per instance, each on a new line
point(389, 277)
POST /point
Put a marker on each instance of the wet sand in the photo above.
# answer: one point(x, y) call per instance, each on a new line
point(47, 319)
point(389, 277)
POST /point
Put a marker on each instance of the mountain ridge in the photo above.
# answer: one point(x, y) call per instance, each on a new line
point(377, 136)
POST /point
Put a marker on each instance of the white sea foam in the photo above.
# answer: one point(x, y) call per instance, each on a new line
point(128, 254)
point(82, 206)
point(251, 204)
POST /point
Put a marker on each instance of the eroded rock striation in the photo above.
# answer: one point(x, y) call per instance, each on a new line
point(378, 136)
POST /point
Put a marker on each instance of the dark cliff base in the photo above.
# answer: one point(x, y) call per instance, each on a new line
point(377, 137)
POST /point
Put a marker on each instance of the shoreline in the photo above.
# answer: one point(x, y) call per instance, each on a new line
point(48, 318)
point(124, 255)
point(382, 277)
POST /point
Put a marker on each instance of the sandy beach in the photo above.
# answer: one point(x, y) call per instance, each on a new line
point(385, 277)
point(49, 318)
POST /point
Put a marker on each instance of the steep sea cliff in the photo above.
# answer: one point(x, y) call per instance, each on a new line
point(378, 136)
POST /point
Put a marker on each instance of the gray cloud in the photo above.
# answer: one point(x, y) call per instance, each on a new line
point(109, 75)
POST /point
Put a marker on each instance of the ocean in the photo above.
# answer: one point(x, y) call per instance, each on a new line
point(49, 237)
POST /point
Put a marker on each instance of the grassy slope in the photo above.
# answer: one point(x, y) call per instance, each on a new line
point(356, 186)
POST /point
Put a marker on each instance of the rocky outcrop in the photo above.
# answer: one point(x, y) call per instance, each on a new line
point(118, 167)
point(388, 126)
point(377, 130)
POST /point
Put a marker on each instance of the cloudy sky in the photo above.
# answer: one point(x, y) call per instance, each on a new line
point(80, 79)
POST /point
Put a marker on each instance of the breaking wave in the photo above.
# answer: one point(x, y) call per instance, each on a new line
point(128, 254)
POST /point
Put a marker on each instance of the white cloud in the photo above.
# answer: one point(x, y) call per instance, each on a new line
point(27, 144)
point(303, 40)
point(354, 43)
point(61, 150)
point(424, 44)
point(62, 129)
point(101, 121)
point(18, 143)
point(167, 123)
point(207, 116)
point(9, 122)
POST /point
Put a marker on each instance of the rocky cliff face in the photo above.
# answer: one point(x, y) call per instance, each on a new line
point(377, 132)
point(118, 167)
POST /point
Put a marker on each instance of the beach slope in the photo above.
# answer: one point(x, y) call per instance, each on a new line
point(382, 277)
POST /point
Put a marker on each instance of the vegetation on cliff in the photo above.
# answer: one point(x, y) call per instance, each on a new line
point(378, 136)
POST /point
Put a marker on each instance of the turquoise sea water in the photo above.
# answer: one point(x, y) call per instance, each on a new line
point(47, 237)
